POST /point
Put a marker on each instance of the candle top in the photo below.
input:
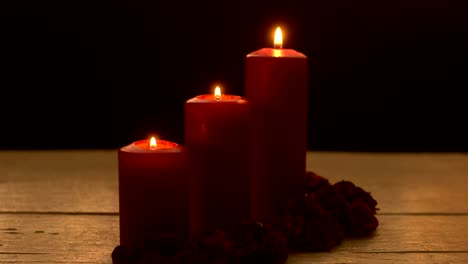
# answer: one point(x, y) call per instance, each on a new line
point(211, 98)
point(277, 53)
point(144, 146)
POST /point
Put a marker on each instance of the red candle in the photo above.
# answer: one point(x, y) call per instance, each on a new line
point(152, 191)
point(276, 87)
point(216, 136)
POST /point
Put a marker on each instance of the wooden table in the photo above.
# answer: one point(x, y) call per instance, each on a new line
point(62, 206)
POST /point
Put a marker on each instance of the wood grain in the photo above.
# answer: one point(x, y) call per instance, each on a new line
point(401, 183)
point(58, 181)
point(91, 239)
point(62, 206)
point(86, 181)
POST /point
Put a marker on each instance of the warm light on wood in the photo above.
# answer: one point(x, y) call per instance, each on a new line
point(403, 221)
point(278, 42)
point(153, 143)
point(217, 93)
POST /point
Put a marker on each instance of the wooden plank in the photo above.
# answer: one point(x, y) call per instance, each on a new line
point(59, 181)
point(91, 239)
point(380, 258)
point(57, 238)
point(86, 181)
point(401, 183)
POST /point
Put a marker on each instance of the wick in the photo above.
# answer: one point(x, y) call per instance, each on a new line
point(278, 46)
point(217, 97)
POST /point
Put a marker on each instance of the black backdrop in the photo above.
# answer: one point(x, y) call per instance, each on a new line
point(384, 75)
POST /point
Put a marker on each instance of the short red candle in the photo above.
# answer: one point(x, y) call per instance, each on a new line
point(276, 87)
point(153, 195)
point(216, 136)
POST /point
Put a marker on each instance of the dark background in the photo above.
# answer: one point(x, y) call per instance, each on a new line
point(384, 75)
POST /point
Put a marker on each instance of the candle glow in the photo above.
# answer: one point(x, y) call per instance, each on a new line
point(278, 41)
point(153, 143)
point(217, 93)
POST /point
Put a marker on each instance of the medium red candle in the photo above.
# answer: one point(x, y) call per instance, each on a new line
point(276, 87)
point(153, 192)
point(216, 136)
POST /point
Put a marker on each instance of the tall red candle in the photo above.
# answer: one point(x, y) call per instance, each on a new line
point(153, 192)
point(276, 87)
point(216, 136)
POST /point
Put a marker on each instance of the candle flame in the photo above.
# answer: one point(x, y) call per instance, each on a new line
point(217, 93)
point(153, 143)
point(278, 42)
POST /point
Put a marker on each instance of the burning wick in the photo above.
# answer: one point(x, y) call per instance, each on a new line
point(153, 143)
point(278, 42)
point(217, 93)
